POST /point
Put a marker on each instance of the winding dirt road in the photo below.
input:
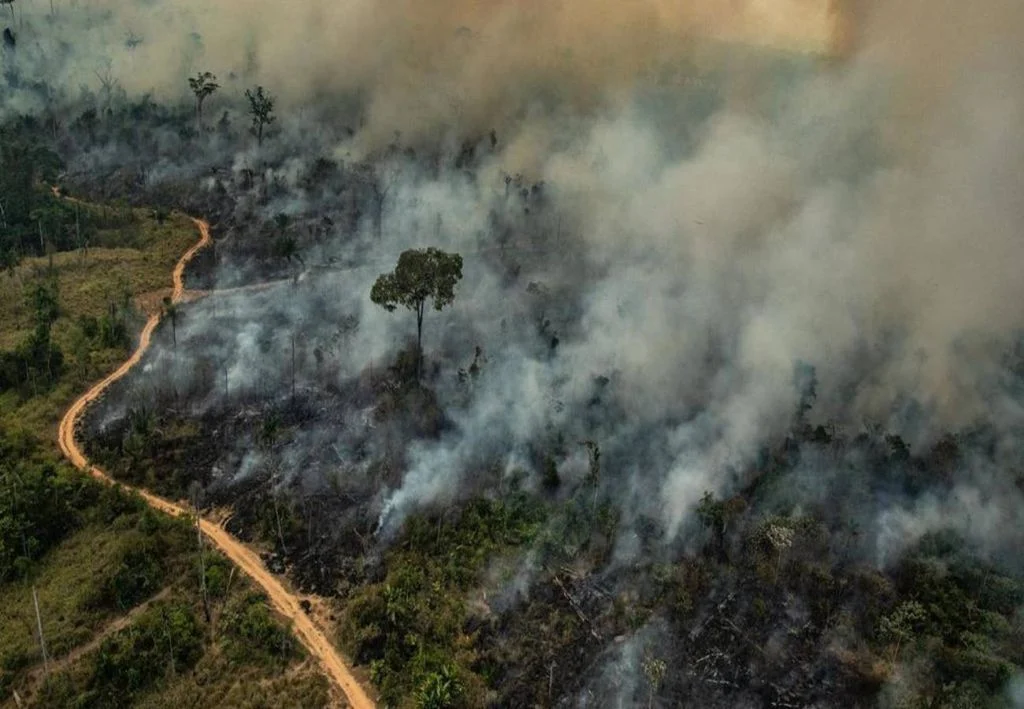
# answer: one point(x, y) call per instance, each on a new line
point(284, 601)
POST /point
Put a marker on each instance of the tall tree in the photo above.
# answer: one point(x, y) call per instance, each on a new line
point(44, 300)
point(203, 85)
point(421, 275)
point(261, 108)
point(171, 312)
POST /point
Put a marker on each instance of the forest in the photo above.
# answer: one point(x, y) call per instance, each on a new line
point(542, 359)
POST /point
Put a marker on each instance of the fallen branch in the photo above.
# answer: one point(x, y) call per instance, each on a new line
point(576, 607)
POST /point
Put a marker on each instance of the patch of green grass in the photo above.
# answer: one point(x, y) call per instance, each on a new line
point(217, 681)
point(89, 284)
point(95, 575)
point(89, 279)
point(117, 581)
point(409, 627)
point(170, 656)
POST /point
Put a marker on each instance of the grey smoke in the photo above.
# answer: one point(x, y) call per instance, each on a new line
point(689, 245)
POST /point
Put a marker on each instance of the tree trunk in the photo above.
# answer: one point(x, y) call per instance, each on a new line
point(280, 531)
point(202, 570)
point(78, 232)
point(378, 212)
point(419, 342)
point(39, 625)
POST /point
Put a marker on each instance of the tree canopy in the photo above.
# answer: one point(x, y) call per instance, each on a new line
point(261, 108)
point(203, 85)
point(421, 275)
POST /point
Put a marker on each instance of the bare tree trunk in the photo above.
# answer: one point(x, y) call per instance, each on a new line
point(419, 342)
point(551, 679)
point(202, 569)
point(378, 215)
point(277, 512)
point(380, 194)
point(39, 625)
point(170, 642)
point(78, 228)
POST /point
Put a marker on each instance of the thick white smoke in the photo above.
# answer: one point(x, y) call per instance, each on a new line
point(715, 214)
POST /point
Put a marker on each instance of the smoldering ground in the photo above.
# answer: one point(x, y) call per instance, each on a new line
point(690, 222)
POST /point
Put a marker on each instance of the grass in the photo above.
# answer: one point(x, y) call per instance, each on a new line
point(87, 614)
point(138, 261)
point(217, 682)
point(253, 663)
point(67, 583)
point(219, 676)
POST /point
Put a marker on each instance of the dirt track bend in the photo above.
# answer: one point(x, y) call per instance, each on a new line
point(285, 602)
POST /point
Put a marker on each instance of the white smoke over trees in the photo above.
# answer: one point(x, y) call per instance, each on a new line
point(655, 214)
point(861, 217)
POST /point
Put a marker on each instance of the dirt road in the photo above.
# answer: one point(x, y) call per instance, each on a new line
point(284, 601)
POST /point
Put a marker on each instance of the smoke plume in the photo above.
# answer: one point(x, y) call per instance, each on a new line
point(705, 202)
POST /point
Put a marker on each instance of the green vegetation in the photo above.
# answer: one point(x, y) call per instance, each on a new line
point(253, 635)
point(261, 108)
point(66, 319)
point(117, 585)
point(123, 557)
point(34, 221)
point(409, 628)
point(203, 85)
point(420, 276)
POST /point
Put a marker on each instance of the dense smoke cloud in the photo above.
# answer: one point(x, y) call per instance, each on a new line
point(426, 69)
point(702, 231)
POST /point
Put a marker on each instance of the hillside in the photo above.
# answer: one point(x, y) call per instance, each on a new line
point(113, 580)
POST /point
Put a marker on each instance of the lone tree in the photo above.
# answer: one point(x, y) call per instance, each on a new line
point(261, 108)
point(171, 313)
point(203, 85)
point(421, 275)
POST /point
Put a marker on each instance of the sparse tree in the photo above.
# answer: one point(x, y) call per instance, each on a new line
point(261, 108)
point(780, 536)
point(900, 625)
point(654, 670)
point(194, 491)
point(39, 626)
point(594, 470)
point(43, 298)
point(440, 689)
point(203, 85)
point(421, 275)
point(171, 313)
point(805, 380)
point(285, 246)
